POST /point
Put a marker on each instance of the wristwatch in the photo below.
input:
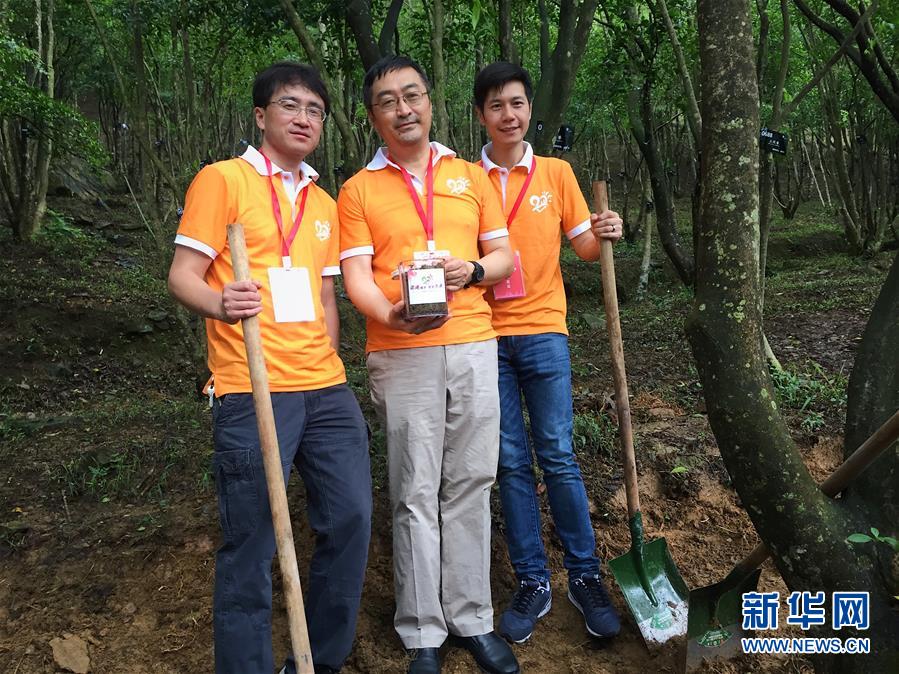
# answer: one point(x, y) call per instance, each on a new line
point(477, 274)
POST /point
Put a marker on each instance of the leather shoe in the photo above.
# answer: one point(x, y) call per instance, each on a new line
point(424, 661)
point(491, 652)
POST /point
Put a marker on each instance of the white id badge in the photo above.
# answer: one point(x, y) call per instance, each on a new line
point(291, 294)
point(430, 254)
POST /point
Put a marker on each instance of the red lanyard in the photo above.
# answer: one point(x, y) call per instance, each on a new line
point(276, 207)
point(524, 188)
point(427, 219)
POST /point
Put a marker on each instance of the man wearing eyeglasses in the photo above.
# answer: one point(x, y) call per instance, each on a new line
point(433, 380)
point(290, 226)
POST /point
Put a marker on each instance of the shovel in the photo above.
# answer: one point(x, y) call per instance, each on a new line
point(271, 459)
point(715, 624)
point(652, 586)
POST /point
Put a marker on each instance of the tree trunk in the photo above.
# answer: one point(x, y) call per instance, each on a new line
point(764, 30)
point(872, 397)
point(642, 125)
point(557, 77)
point(692, 107)
point(507, 50)
point(441, 131)
point(44, 143)
point(848, 213)
point(767, 171)
point(139, 96)
point(358, 18)
point(646, 262)
point(867, 55)
point(339, 113)
point(190, 88)
point(544, 38)
point(805, 531)
point(26, 160)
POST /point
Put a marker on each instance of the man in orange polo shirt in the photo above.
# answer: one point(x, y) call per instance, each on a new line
point(541, 199)
point(290, 225)
point(433, 380)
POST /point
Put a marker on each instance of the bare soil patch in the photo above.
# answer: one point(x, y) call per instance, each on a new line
point(108, 523)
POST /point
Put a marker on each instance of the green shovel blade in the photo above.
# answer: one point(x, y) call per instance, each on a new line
point(715, 623)
point(653, 589)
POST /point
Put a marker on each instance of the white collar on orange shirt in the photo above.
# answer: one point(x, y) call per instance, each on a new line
point(380, 161)
point(488, 164)
point(307, 174)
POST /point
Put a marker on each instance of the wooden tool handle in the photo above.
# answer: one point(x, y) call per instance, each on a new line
point(851, 468)
point(619, 376)
point(271, 458)
point(862, 457)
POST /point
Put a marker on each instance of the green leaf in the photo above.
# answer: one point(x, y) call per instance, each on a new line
point(475, 13)
point(859, 538)
point(875, 532)
point(677, 470)
point(892, 542)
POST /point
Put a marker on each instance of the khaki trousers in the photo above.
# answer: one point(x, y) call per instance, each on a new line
point(440, 408)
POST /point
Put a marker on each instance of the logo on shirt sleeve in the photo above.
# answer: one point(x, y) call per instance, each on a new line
point(323, 230)
point(458, 185)
point(539, 203)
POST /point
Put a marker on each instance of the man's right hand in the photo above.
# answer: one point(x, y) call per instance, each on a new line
point(414, 326)
point(240, 299)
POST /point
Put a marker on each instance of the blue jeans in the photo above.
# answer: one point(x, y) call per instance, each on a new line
point(323, 434)
point(539, 366)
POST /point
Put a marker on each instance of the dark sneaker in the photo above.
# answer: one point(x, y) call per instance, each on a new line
point(492, 654)
point(589, 595)
point(424, 661)
point(531, 602)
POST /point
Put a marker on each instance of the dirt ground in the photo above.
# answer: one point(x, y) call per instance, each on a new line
point(108, 525)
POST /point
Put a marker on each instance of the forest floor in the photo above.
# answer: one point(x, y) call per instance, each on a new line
point(108, 522)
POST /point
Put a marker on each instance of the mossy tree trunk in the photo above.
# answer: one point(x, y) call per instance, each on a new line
point(26, 146)
point(805, 531)
point(873, 397)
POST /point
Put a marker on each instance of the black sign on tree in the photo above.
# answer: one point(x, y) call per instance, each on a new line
point(564, 138)
point(773, 141)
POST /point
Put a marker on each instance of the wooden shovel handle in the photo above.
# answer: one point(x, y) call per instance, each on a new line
point(619, 376)
point(851, 468)
point(271, 458)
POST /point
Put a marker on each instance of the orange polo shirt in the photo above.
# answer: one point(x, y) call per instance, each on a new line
point(378, 218)
point(553, 204)
point(299, 356)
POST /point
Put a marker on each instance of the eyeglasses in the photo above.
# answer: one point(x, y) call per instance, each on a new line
point(412, 98)
point(291, 107)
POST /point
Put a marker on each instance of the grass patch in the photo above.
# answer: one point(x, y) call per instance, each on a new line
point(64, 240)
point(158, 442)
point(813, 394)
point(594, 434)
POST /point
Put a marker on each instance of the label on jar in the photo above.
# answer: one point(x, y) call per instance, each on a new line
point(426, 286)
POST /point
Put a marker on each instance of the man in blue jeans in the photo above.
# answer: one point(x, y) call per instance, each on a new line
point(541, 199)
point(290, 226)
